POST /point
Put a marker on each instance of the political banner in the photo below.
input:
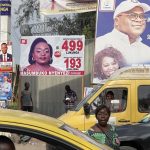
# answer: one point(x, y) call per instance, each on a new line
point(5, 7)
point(52, 55)
point(5, 86)
point(6, 58)
point(48, 7)
point(122, 36)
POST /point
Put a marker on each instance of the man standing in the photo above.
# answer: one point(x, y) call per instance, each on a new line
point(5, 57)
point(70, 98)
point(26, 98)
point(129, 23)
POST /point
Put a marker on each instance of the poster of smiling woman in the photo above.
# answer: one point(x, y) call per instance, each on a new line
point(122, 36)
point(52, 55)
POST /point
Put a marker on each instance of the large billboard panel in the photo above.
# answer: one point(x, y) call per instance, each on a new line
point(122, 36)
point(48, 7)
point(6, 58)
point(52, 55)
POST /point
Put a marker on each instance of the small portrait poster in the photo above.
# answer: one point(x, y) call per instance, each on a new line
point(122, 36)
point(52, 55)
point(6, 57)
point(48, 7)
point(5, 86)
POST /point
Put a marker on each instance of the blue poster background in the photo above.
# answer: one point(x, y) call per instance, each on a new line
point(5, 7)
point(4, 93)
point(105, 22)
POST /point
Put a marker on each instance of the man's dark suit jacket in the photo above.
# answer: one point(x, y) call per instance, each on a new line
point(9, 58)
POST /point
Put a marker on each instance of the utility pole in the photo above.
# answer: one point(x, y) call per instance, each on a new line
point(5, 20)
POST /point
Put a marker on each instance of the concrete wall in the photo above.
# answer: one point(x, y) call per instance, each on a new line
point(4, 28)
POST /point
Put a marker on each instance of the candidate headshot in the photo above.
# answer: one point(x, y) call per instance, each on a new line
point(5, 56)
point(129, 23)
point(107, 61)
point(40, 56)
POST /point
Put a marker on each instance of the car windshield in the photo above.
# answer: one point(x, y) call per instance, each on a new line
point(85, 100)
point(146, 119)
point(82, 135)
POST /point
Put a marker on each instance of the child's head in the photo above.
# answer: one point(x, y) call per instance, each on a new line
point(6, 143)
point(26, 85)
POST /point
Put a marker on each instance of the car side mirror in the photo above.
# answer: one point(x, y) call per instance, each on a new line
point(86, 108)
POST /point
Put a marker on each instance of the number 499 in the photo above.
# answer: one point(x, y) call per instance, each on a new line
point(72, 45)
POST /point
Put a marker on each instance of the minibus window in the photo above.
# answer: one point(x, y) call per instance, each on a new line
point(114, 98)
point(144, 98)
point(86, 99)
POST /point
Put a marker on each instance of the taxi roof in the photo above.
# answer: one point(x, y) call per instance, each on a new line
point(17, 116)
point(44, 123)
point(132, 72)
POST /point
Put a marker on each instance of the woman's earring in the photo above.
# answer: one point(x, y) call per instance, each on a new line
point(33, 59)
point(51, 60)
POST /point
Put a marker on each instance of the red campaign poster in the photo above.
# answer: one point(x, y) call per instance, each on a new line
point(52, 55)
point(6, 58)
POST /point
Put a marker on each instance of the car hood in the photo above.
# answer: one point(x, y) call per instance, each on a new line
point(135, 131)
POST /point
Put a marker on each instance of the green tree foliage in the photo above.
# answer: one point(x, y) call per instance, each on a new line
point(75, 24)
point(87, 23)
point(68, 24)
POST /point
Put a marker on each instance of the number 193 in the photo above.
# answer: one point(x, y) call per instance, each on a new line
point(73, 62)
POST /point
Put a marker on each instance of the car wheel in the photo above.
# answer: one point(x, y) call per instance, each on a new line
point(127, 148)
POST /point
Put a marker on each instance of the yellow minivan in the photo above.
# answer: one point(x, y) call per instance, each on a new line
point(131, 90)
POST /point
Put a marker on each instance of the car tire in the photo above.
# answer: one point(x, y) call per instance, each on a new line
point(127, 148)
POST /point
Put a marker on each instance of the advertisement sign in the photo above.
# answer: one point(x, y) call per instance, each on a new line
point(6, 57)
point(5, 86)
point(52, 55)
point(122, 36)
point(5, 7)
point(48, 7)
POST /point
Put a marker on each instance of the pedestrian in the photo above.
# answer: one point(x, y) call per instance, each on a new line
point(26, 105)
point(26, 98)
point(103, 132)
point(70, 98)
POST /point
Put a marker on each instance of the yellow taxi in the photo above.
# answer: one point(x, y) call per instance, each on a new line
point(131, 99)
point(32, 131)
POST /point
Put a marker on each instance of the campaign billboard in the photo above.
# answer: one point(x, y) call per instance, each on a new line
point(122, 36)
point(6, 58)
point(48, 7)
point(52, 55)
point(5, 86)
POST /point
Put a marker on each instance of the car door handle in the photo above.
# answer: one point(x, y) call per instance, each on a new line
point(123, 120)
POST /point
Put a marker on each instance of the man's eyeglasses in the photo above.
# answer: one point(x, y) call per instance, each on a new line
point(135, 16)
